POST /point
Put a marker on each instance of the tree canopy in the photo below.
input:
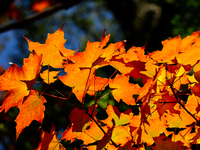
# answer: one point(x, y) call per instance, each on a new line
point(145, 22)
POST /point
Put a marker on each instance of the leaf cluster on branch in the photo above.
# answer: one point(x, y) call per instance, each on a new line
point(168, 100)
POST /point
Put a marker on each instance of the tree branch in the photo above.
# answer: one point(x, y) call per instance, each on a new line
point(38, 16)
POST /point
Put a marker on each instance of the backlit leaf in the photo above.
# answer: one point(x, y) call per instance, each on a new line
point(53, 50)
point(32, 109)
point(124, 90)
point(19, 81)
point(49, 141)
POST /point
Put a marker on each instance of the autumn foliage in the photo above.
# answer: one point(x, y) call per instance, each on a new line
point(168, 98)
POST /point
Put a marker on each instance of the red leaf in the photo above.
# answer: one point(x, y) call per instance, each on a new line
point(166, 103)
point(79, 118)
point(106, 137)
point(127, 146)
point(49, 141)
point(165, 143)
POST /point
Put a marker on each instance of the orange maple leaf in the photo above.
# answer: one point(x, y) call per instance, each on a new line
point(81, 69)
point(134, 54)
point(171, 48)
point(53, 50)
point(121, 135)
point(183, 119)
point(120, 119)
point(83, 81)
point(88, 134)
point(181, 49)
point(49, 76)
point(19, 81)
point(32, 109)
point(124, 90)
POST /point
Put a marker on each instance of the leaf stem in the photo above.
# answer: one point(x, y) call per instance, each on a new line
point(101, 128)
point(172, 89)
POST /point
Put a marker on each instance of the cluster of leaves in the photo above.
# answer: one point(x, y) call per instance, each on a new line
point(168, 99)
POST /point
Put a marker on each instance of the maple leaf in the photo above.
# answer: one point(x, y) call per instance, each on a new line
point(186, 135)
point(160, 109)
point(106, 137)
point(166, 103)
point(190, 50)
point(151, 86)
point(81, 69)
point(53, 50)
point(91, 54)
point(150, 68)
point(79, 118)
point(121, 119)
point(120, 65)
point(169, 51)
point(144, 129)
point(131, 62)
point(165, 143)
point(174, 47)
point(32, 109)
point(88, 134)
point(80, 125)
point(134, 54)
point(132, 68)
point(49, 141)
point(49, 76)
point(121, 131)
point(196, 137)
point(121, 135)
point(113, 50)
point(19, 81)
point(138, 66)
point(183, 119)
point(97, 84)
point(69, 134)
point(127, 146)
point(83, 81)
point(124, 90)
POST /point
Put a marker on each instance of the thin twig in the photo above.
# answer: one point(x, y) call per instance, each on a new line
point(101, 128)
point(38, 16)
point(172, 89)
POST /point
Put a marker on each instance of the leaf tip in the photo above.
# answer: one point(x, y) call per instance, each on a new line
point(26, 39)
point(104, 34)
point(62, 26)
